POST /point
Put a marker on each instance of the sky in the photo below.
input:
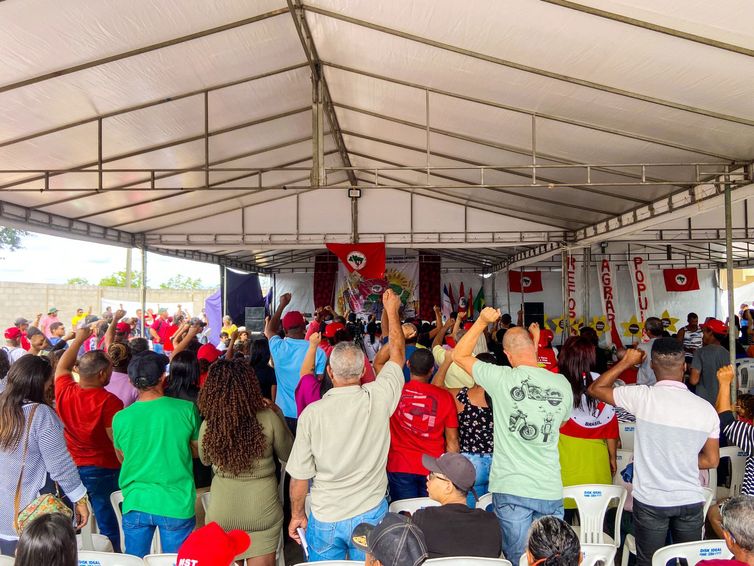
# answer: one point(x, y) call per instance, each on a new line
point(39, 261)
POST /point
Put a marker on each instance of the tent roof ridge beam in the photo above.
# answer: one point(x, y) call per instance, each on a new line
point(165, 145)
point(544, 116)
point(479, 164)
point(141, 50)
point(495, 145)
point(204, 257)
point(296, 9)
point(149, 104)
point(497, 190)
point(529, 69)
point(166, 175)
point(653, 27)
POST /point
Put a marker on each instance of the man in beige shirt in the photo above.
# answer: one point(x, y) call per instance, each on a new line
point(342, 444)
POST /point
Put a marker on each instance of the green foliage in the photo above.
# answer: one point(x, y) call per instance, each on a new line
point(77, 281)
point(10, 238)
point(118, 279)
point(182, 282)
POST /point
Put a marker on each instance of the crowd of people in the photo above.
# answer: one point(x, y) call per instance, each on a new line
point(350, 415)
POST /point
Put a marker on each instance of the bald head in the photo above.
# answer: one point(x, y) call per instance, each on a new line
point(519, 347)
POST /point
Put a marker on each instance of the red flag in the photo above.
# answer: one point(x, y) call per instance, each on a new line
point(366, 259)
point(678, 280)
point(471, 303)
point(461, 298)
point(525, 282)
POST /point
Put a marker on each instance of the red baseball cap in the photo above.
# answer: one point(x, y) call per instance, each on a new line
point(211, 546)
point(332, 328)
point(13, 333)
point(716, 326)
point(545, 337)
point(123, 328)
point(208, 352)
point(293, 319)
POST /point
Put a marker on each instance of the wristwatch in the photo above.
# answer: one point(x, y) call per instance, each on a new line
point(84, 499)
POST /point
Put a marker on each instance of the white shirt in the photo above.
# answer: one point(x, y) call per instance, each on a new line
point(672, 426)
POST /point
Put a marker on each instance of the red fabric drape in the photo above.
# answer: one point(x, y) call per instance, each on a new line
point(429, 284)
point(325, 277)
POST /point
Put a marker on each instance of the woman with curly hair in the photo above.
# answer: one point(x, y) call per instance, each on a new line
point(240, 437)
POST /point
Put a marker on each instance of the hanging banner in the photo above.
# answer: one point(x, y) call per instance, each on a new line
point(364, 296)
point(642, 288)
point(607, 294)
point(571, 285)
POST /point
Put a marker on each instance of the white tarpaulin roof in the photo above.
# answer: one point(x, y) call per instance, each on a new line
point(152, 120)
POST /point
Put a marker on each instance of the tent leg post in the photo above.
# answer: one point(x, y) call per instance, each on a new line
point(564, 287)
point(144, 290)
point(729, 277)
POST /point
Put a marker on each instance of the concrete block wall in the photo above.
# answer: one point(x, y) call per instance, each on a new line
point(28, 299)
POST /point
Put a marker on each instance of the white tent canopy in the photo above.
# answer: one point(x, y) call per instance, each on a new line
point(493, 133)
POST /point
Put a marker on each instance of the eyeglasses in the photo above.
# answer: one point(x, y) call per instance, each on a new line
point(433, 475)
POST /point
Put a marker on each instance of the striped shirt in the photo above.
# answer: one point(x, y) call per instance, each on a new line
point(741, 434)
point(47, 454)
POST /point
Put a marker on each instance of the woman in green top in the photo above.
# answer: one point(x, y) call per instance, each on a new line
point(239, 438)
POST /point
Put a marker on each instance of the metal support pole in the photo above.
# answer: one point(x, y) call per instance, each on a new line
point(533, 149)
point(426, 108)
point(99, 153)
point(128, 267)
point(729, 276)
point(508, 291)
point(564, 287)
point(318, 133)
point(144, 290)
point(494, 290)
point(206, 139)
point(224, 290)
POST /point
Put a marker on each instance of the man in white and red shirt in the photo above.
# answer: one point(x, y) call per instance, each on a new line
point(161, 331)
point(677, 434)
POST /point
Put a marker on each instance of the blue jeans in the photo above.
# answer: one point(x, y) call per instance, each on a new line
point(159, 348)
point(482, 464)
point(99, 484)
point(332, 541)
point(516, 514)
point(138, 530)
point(402, 485)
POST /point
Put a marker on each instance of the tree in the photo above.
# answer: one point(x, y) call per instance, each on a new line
point(118, 279)
point(10, 238)
point(77, 281)
point(182, 282)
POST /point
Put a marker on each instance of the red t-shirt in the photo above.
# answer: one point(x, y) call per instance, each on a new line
point(546, 359)
point(86, 414)
point(168, 342)
point(418, 426)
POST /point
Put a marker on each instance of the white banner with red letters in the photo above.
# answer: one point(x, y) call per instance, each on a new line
point(641, 287)
point(571, 285)
point(608, 294)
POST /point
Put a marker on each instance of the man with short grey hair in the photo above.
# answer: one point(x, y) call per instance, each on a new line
point(342, 444)
point(738, 531)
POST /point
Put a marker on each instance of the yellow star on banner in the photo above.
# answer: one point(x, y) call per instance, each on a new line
point(558, 323)
point(600, 325)
point(668, 322)
point(633, 327)
point(549, 323)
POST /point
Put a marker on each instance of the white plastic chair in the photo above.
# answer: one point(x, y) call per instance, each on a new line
point(484, 501)
point(89, 540)
point(7, 560)
point(622, 458)
point(593, 553)
point(412, 505)
point(745, 372)
point(592, 501)
point(160, 559)
point(91, 558)
point(737, 467)
point(626, 431)
point(467, 561)
point(116, 500)
point(629, 545)
point(693, 552)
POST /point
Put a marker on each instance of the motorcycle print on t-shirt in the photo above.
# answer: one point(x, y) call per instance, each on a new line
point(521, 422)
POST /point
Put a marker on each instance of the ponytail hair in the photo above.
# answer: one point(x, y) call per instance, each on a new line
point(552, 542)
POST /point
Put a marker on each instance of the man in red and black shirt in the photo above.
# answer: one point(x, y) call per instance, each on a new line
point(425, 422)
point(87, 411)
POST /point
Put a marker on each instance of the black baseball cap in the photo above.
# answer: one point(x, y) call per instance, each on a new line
point(456, 467)
point(394, 541)
point(146, 369)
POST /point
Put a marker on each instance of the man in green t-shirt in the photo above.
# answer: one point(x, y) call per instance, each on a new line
point(529, 405)
point(155, 438)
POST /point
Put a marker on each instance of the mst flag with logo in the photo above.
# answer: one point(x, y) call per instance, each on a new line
point(677, 280)
point(366, 259)
point(525, 281)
